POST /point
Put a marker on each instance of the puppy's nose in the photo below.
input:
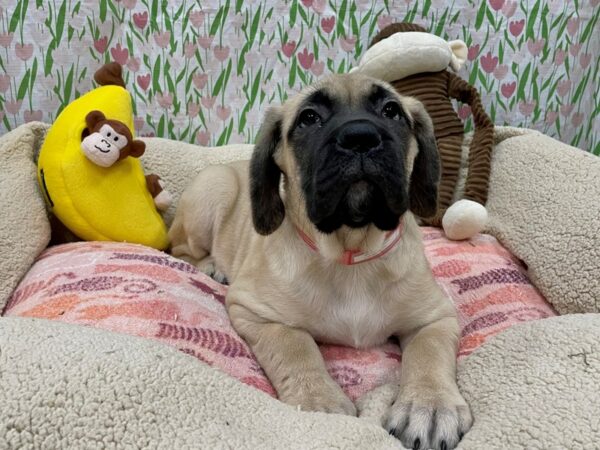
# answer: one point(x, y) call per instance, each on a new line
point(359, 136)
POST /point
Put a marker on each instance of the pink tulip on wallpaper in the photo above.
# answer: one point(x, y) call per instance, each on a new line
point(138, 123)
point(223, 112)
point(6, 39)
point(584, 60)
point(566, 109)
point(288, 48)
point(384, 20)
point(488, 62)
point(317, 68)
point(141, 20)
point(30, 116)
point(516, 27)
point(464, 111)
point(203, 138)
point(200, 80)
point(577, 119)
point(133, 64)
point(559, 56)
point(193, 109)
point(120, 54)
point(535, 47)
point(306, 59)
point(509, 9)
point(496, 4)
point(24, 51)
point(13, 107)
point(162, 39)
point(197, 18)
point(574, 49)
point(473, 52)
point(4, 83)
point(189, 49)
point(551, 117)
point(500, 72)
point(573, 26)
point(101, 44)
point(253, 59)
point(347, 44)
point(563, 87)
point(143, 81)
point(208, 102)
point(526, 108)
point(327, 24)
point(221, 52)
point(319, 6)
point(164, 100)
point(205, 41)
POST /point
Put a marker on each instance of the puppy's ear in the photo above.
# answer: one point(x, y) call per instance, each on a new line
point(423, 191)
point(267, 207)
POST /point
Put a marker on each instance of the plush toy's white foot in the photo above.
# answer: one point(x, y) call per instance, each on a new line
point(163, 200)
point(464, 219)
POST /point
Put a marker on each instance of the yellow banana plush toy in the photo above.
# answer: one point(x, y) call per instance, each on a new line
point(89, 172)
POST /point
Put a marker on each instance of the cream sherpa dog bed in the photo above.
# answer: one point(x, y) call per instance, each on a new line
point(533, 386)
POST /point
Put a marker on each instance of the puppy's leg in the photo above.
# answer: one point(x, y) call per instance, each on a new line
point(292, 361)
point(429, 411)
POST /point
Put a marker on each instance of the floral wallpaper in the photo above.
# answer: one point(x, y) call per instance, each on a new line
point(204, 71)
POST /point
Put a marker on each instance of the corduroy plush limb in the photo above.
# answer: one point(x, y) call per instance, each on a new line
point(435, 90)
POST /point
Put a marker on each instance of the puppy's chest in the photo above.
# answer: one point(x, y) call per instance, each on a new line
point(351, 311)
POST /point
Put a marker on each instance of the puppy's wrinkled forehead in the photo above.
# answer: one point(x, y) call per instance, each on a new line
point(350, 91)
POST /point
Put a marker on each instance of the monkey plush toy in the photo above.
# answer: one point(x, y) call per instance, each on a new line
point(107, 141)
point(416, 63)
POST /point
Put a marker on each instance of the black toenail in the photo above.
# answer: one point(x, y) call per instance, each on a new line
point(417, 444)
point(444, 446)
point(460, 436)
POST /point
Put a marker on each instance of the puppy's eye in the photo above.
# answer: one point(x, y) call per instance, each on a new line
point(108, 134)
point(391, 110)
point(308, 117)
point(116, 138)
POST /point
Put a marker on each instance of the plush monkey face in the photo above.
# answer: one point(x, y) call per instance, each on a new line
point(108, 141)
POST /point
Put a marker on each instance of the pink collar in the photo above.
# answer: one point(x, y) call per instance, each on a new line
point(351, 257)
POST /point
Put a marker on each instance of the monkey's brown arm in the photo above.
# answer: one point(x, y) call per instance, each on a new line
point(480, 153)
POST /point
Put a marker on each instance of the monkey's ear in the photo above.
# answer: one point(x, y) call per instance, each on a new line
point(92, 119)
point(136, 148)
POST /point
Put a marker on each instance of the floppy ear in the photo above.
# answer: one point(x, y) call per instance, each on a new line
point(92, 119)
point(267, 207)
point(136, 148)
point(423, 190)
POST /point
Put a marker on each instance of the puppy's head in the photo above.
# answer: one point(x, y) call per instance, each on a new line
point(361, 154)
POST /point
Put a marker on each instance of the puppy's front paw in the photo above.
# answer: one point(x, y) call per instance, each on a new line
point(317, 394)
point(209, 267)
point(424, 418)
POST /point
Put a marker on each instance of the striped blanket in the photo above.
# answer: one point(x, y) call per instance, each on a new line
point(139, 291)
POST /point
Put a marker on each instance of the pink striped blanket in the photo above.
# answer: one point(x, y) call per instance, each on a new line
point(139, 291)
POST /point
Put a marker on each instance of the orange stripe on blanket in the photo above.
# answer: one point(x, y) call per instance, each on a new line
point(53, 308)
point(153, 309)
point(518, 294)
